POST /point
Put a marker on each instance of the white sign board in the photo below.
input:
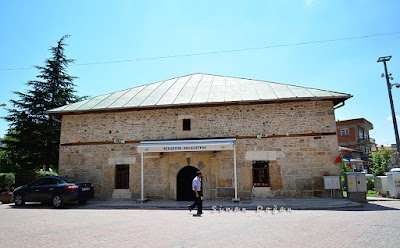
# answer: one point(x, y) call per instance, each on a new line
point(186, 145)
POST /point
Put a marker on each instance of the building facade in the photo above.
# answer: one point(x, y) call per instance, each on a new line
point(249, 138)
point(354, 135)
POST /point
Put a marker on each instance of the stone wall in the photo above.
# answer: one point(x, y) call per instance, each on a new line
point(297, 161)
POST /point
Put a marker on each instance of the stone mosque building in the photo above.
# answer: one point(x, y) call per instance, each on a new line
point(250, 138)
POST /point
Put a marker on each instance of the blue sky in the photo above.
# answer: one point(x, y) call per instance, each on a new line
point(104, 31)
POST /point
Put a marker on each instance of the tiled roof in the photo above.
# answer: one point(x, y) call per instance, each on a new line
point(199, 89)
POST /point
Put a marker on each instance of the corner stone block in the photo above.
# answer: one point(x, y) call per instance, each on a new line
point(224, 182)
point(317, 183)
point(261, 155)
point(121, 160)
point(225, 192)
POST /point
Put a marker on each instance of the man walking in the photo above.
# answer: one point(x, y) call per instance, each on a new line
point(196, 187)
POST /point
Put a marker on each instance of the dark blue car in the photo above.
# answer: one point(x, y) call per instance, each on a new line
point(54, 190)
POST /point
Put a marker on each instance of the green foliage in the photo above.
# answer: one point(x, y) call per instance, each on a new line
point(43, 173)
point(6, 180)
point(370, 184)
point(343, 168)
point(372, 193)
point(32, 140)
point(380, 162)
point(5, 160)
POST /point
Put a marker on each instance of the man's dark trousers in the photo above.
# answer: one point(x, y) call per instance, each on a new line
point(198, 202)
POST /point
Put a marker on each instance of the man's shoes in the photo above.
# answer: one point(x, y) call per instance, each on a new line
point(190, 208)
point(197, 215)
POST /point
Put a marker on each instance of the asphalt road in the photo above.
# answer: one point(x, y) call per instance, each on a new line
point(377, 224)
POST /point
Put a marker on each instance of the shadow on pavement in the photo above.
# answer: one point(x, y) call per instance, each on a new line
point(368, 206)
point(38, 205)
point(89, 206)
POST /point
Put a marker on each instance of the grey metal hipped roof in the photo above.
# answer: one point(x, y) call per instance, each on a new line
point(199, 89)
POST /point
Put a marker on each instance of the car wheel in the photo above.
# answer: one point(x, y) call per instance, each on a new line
point(19, 200)
point(83, 202)
point(57, 201)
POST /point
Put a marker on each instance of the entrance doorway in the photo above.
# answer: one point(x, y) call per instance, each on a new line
point(184, 183)
point(122, 176)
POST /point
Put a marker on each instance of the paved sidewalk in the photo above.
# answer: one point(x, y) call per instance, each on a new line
point(104, 224)
point(293, 203)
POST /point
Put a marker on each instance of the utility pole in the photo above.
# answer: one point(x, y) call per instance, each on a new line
point(389, 86)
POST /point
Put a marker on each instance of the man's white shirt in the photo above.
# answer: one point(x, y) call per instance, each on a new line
point(196, 182)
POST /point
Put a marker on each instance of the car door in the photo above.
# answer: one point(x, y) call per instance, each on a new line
point(48, 188)
point(32, 193)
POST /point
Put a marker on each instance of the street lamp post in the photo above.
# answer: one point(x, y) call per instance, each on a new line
point(389, 85)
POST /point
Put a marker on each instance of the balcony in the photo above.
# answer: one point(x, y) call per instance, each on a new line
point(366, 141)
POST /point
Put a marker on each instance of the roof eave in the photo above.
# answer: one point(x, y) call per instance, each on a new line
point(335, 100)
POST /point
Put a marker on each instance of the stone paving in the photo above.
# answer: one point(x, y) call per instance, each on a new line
point(376, 224)
point(293, 203)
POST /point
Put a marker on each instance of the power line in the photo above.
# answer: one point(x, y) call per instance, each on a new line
point(382, 129)
point(220, 51)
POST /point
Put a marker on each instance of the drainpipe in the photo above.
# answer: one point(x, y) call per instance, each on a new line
point(55, 119)
point(339, 106)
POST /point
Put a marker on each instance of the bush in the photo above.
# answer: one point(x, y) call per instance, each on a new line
point(343, 168)
point(343, 182)
point(44, 173)
point(370, 184)
point(6, 180)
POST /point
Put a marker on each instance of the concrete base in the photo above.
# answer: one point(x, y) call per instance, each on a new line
point(357, 197)
point(121, 194)
point(262, 192)
point(235, 199)
point(142, 200)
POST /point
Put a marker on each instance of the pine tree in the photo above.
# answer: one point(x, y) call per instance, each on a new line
point(33, 137)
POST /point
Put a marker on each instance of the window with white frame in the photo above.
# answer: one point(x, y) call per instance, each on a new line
point(344, 132)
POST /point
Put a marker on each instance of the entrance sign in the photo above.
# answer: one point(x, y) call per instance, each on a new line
point(187, 145)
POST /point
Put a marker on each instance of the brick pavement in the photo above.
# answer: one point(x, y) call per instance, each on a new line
point(376, 225)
